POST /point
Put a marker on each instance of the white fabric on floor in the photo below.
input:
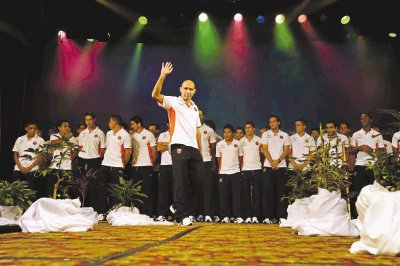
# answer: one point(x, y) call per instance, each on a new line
point(378, 221)
point(9, 215)
point(57, 215)
point(324, 214)
point(126, 216)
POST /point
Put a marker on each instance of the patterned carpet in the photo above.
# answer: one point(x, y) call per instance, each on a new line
point(201, 244)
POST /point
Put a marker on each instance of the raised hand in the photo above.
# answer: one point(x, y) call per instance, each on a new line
point(166, 68)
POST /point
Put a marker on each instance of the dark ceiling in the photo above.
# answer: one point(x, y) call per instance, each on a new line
point(171, 21)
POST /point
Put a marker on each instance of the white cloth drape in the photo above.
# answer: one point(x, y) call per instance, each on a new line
point(9, 215)
point(127, 216)
point(57, 215)
point(323, 214)
point(378, 221)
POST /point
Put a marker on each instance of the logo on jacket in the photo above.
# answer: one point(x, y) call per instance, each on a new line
point(96, 136)
point(257, 143)
point(34, 143)
point(281, 137)
point(119, 137)
point(205, 132)
point(235, 145)
point(144, 137)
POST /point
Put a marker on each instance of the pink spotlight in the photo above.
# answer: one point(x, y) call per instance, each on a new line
point(238, 17)
point(302, 18)
point(61, 35)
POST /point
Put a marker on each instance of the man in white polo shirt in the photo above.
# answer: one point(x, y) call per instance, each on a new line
point(144, 155)
point(166, 177)
point(396, 142)
point(275, 147)
point(251, 172)
point(337, 143)
point(185, 145)
point(25, 168)
point(301, 145)
point(229, 153)
point(92, 147)
point(364, 142)
point(118, 151)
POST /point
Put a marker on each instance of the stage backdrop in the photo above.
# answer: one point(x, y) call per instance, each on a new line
point(317, 81)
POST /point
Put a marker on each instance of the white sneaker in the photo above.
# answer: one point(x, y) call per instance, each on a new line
point(225, 220)
point(254, 220)
point(172, 209)
point(267, 221)
point(185, 222)
point(217, 219)
point(192, 219)
point(248, 221)
point(161, 219)
point(239, 220)
point(101, 217)
point(208, 219)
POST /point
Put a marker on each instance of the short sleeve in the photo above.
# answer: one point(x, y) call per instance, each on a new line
point(128, 141)
point(353, 141)
point(167, 102)
point(16, 146)
point(218, 151)
point(286, 140)
point(240, 149)
point(264, 139)
point(152, 139)
point(102, 138)
point(380, 142)
point(395, 140)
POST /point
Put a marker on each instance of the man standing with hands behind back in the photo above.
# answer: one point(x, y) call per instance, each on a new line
point(185, 144)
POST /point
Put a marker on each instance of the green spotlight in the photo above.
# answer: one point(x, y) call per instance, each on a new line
point(90, 40)
point(345, 20)
point(279, 18)
point(203, 17)
point(393, 35)
point(143, 20)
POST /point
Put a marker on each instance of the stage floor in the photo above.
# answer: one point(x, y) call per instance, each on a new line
point(201, 244)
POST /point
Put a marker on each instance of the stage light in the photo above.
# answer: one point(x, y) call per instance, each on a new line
point(279, 18)
point(142, 20)
point(392, 35)
point(90, 40)
point(203, 17)
point(62, 35)
point(260, 19)
point(302, 18)
point(345, 20)
point(238, 17)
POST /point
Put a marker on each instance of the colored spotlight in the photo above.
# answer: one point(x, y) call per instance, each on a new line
point(203, 17)
point(279, 18)
point(302, 18)
point(345, 20)
point(392, 35)
point(90, 40)
point(142, 20)
point(260, 19)
point(238, 17)
point(62, 34)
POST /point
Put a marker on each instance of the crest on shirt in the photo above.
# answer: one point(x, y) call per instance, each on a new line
point(195, 109)
point(281, 137)
point(119, 137)
point(235, 145)
point(96, 136)
point(220, 180)
point(307, 140)
point(144, 137)
point(257, 143)
point(34, 143)
point(178, 151)
point(205, 132)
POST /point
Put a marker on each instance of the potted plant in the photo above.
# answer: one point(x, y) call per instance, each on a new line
point(15, 198)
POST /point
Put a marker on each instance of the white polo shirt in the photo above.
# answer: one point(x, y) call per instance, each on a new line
point(21, 145)
point(275, 144)
point(336, 147)
point(115, 148)
point(66, 163)
point(396, 140)
point(91, 143)
point(207, 137)
point(371, 138)
point(143, 142)
point(183, 121)
point(229, 156)
point(301, 147)
point(251, 153)
point(165, 155)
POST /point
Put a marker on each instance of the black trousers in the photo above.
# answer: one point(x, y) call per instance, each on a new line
point(144, 174)
point(207, 197)
point(361, 178)
point(92, 193)
point(230, 197)
point(108, 175)
point(36, 183)
point(186, 164)
point(165, 189)
point(251, 193)
point(273, 189)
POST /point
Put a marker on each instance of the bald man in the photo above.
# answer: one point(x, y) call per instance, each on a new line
point(185, 143)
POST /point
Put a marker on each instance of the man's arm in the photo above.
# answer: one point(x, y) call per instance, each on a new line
point(128, 153)
point(18, 163)
point(162, 146)
point(198, 137)
point(265, 151)
point(166, 69)
point(154, 154)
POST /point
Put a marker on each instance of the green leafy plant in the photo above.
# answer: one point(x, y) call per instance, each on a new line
point(386, 168)
point(126, 193)
point(16, 193)
point(81, 181)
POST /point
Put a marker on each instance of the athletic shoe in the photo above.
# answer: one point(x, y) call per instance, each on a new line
point(185, 222)
point(200, 218)
point(170, 218)
point(208, 219)
point(267, 221)
point(274, 221)
point(254, 220)
point(232, 220)
point(217, 219)
point(225, 220)
point(160, 219)
point(172, 209)
point(101, 217)
point(192, 219)
point(248, 221)
point(239, 220)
